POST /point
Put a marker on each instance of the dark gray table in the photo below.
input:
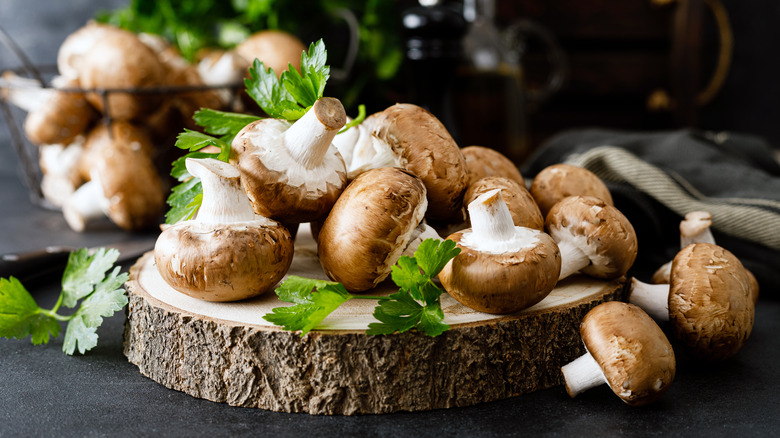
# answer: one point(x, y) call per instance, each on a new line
point(46, 393)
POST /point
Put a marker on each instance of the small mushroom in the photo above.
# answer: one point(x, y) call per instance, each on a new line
point(221, 67)
point(594, 238)
point(708, 301)
point(482, 162)
point(60, 175)
point(275, 48)
point(227, 252)
point(525, 212)
point(502, 268)
point(625, 349)
point(78, 44)
point(377, 219)
point(558, 181)
point(292, 172)
point(362, 150)
point(103, 136)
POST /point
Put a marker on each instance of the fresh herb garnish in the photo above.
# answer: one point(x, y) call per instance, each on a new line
point(416, 305)
point(357, 120)
point(86, 283)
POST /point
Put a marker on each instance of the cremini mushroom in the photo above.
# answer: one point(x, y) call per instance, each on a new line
point(594, 238)
point(276, 49)
point(502, 268)
point(708, 301)
point(227, 252)
point(425, 148)
point(362, 150)
point(222, 67)
point(694, 228)
point(625, 349)
point(558, 181)
point(525, 212)
point(292, 172)
point(377, 219)
point(482, 162)
point(59, 169)
point(104, 135)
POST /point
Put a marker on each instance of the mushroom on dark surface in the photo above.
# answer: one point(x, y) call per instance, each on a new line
point(709, 301)
point(627, 350)
point(502, 268)
point(559, 181)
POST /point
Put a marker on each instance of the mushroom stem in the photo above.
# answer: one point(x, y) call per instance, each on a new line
point(695, 228)
point(86, 205)
point(572, 259)
point(652, 298)
point(490, 218)
point(224, 201)
point(582, 374)
point(309, 138)
point(422, 232)
point(26, 93)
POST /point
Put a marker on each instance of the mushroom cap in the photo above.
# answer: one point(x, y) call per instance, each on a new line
point(504, 282)
point(599, 230)
point(634, 354)
point(524, 211)
point(710, 301)
point(426, 149)
point(482, 161)
point(63, 117)
point(278, 186)
point(119, 60)
point(76, 45)
point(558, 181)
point(274, 48)
point(100, 137)
point(223, 262)
point(369, 227)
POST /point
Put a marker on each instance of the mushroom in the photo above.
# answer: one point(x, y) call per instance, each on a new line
point(524, 211)
point(275, 48)
point(221, 67)
point(708, 301)
point(377, 219)
point(424, 147)
point(558, 181)
point(59, 168)
point(594, 238)
point(56, 114)
point(227, 252)
point(362, 150)
point(292, 172)
point(694, 228)
point(502, 268)
point(78, 44)
point(625, 349)
point(482, 162)
point(103, 136)
point(120, 61)
point(124, 186)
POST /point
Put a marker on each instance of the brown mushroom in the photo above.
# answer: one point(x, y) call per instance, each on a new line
point(627, 350)
point(558, 181)
point(594, 238)
point(59, 168)
point(502, 268)
point(275, 48)
point(708, 301)
point(482, 162)
point(227, 252)
point(102, 136)
point(694, 228)
point(78, 44)
point(525, 212)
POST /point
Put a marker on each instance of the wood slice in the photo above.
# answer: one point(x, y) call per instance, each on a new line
point(226, 352)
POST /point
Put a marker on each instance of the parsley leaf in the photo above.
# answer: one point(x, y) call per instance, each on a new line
point(314, 300)
point(225, 124)
point(85, 281)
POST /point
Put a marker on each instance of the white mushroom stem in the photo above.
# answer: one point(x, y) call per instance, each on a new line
point(25, 93)
point(573, 259)
point(491, 221)
point(309, 138)
point(422, 232)
point(86, 205)
point(652, 298)
point(224, 201)
point(695, 228)
point(582, 374)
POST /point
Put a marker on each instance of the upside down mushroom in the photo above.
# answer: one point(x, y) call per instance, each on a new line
point(227, 252)
point(559, 181)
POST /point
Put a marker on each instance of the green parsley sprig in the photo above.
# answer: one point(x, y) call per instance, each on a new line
point(416, 305)
point(86, 283)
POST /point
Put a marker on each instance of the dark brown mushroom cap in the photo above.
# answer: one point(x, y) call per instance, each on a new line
point(285, 191)
point(558, 181)
point(502, 283)
point(634, 354)
point(524, 211)
point(427, 150)
point(607, 237)
point(710, 301)
point(482, 161)
point(369, 227)
point(227, 262)
point(100, 137)
point(63, 117)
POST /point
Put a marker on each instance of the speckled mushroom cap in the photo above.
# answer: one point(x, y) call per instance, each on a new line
point(100, 137)
point(710, 301)
point(634, 354)
point(427, 150)
point(482, 161)
point(504, 282)
point(278, 186)
point(524, 211)
point(64, 116)
point(600, 230)
point(369, 227)
point(77, 44)
point(558, 181)
point(274, 48)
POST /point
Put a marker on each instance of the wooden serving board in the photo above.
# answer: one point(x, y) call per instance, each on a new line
point(226, 352)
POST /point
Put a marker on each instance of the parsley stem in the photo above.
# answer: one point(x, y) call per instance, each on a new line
point(370, 297)
point(57, 305)
point(53, 314)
